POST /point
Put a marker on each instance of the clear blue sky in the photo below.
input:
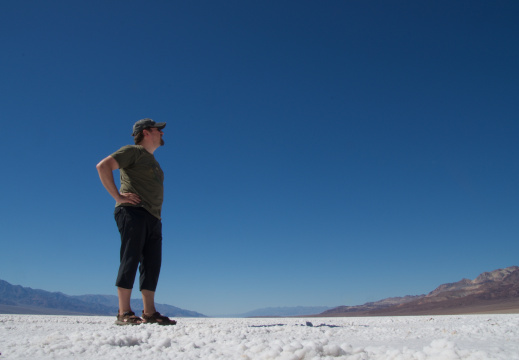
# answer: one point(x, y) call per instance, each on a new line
point(317, 152)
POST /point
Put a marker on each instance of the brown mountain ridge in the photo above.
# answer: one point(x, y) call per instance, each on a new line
point(491, 292)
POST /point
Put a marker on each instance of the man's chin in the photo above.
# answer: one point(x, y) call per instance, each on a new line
point(161, 142)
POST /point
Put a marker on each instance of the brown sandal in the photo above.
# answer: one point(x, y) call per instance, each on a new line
point(157, 318)
point(128, 318)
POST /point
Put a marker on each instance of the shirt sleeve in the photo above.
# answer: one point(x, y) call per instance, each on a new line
point(125, 156)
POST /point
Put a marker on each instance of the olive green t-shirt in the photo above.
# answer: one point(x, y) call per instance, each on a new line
point(141, 174)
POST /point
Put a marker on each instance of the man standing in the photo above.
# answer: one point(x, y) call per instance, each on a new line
point(138, 217)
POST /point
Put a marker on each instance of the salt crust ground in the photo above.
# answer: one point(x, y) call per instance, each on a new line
point(420, 337)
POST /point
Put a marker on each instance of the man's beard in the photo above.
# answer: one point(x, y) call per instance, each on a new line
point(161, 142)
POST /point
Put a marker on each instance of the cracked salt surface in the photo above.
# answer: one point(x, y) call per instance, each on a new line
point(428, 337)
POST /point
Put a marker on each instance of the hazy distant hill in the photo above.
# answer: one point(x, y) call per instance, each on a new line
point(490, 292)
point(112, 302)
point(16, 299)
point(283, 311)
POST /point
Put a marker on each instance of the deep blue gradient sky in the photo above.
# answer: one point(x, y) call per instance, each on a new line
point(317, 152)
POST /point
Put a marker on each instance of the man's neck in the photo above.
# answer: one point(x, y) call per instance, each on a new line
point(148, 147)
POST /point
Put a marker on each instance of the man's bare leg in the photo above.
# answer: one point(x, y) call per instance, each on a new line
point(150, 313)
point(148, 300)
point(124, 300)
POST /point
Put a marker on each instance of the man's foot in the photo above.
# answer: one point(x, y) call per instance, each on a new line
point(128, 318)
point(156, 318)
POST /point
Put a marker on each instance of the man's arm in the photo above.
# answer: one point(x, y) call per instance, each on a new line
point(105, 168)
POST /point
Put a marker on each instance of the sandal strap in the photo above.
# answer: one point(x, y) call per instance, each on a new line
point(129, 317)
point(157, 317)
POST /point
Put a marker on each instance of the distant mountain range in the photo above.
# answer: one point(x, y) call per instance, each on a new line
point(16, 299)
point(491, 292)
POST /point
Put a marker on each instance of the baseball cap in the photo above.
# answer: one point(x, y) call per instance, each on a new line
point(146, 123)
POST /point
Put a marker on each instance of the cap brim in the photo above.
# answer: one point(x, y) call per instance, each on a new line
point(159, 126)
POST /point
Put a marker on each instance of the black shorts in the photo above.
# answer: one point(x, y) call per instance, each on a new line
point(141, 243)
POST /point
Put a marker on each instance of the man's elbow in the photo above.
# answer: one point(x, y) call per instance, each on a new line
point(107, 164)
point(103, 165)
